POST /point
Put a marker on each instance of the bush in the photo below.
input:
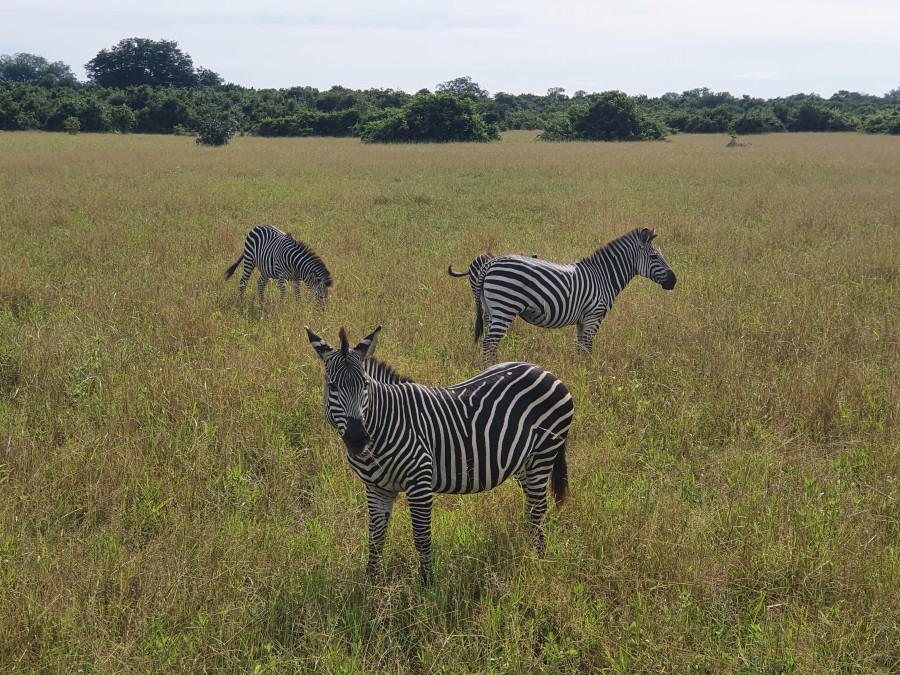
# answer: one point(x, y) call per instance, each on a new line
point(613, 116)
point(757, 121)
point(308, 122)
point(122, 118)
point(72, 125)
point(216, 131)
point(431, 118)
point(882, 123)
point(810, 116)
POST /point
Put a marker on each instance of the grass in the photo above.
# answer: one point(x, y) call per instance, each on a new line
point(171, 498)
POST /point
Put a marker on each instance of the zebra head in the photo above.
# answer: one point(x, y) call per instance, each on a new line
point(346, 391)
point(318, 291)
point(649, 262)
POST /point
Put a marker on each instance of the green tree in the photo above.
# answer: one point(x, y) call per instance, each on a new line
point(461, 86)
point(216, 131)
point(431, 118)
point(207, 78)
point(34, 69)
point(136, 61)
point(122, 118)
point(612, 116)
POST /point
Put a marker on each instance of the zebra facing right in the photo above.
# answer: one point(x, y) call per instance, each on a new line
point(551, 295)
point(279, 256)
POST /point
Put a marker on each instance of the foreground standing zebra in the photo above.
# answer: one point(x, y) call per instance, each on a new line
point(279, 256)
point(551, 295)
point(512, 419)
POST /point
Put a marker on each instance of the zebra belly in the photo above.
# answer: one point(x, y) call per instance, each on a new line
point(466, 469)
point(539, 317)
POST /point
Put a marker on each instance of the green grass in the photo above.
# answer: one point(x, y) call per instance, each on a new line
point(171, 498)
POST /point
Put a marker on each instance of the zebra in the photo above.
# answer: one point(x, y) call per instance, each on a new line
point(511, 419)
point(552, 295)
point(474, 271)
point(278, 255)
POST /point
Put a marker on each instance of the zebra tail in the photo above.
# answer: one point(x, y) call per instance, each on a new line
point(231, 269)
point(479, 319)
point(559, 477)
point(455, 274)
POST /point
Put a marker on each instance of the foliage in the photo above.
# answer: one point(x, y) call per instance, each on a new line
point(887, 122)
point(156, 81)
point(32, 69)
point(216, 131)
point(612, 116)
point(733, 141)
point(71, 125)
point(137, 61)
point(306, 122)
point(462, 86)
point(760, 120)
point(713, 120)
point(810, 116)
point(431, 118)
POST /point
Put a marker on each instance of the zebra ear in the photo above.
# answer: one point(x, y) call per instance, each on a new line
point(647, 235)
point(323, 349)
point(366, 347)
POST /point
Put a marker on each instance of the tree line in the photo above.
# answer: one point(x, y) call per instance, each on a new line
point(147, 86)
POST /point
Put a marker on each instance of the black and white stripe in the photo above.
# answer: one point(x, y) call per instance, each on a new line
point(474, 274)
point(279, 256)
point(512, 419)
point(552, 295)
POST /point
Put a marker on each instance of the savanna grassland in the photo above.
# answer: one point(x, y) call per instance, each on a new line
point(172, 500)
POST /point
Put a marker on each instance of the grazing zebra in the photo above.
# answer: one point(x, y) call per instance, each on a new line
point(512, 419)
point(279, 256)
point(551, 295)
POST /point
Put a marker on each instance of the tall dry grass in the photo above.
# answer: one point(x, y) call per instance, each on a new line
point(172, 500)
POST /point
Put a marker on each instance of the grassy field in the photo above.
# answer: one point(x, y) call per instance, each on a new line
point(171, 499)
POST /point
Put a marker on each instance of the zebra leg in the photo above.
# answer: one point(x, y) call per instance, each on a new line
point(420, 499)
point(535, 487)
point(245, 277)
point(498, 327)
point(584, 336)
point(261, 285)
point(296, 284)
point(380, 504)
point(281, 287)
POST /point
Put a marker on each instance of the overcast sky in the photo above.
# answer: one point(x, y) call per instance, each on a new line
point(765, 48)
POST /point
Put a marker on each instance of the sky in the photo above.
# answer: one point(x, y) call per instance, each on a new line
point(762, 48)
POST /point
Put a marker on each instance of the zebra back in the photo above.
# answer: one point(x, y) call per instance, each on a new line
point(381, 372)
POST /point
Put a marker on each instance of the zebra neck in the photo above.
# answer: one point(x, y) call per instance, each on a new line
point(613, 264)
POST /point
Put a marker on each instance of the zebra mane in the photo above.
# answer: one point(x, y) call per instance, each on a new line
point(317, 262)
point(610, 246)
point(381, 372)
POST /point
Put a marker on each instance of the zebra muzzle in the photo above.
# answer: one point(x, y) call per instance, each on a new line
point(669, 282)
point(355, 437)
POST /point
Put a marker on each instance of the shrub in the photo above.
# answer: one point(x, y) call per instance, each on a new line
point(216, 131)
point(72, 125)
point(612, 116)
point(431, 118)
point(122, 118)
point(882, 123)
point(757, 121)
